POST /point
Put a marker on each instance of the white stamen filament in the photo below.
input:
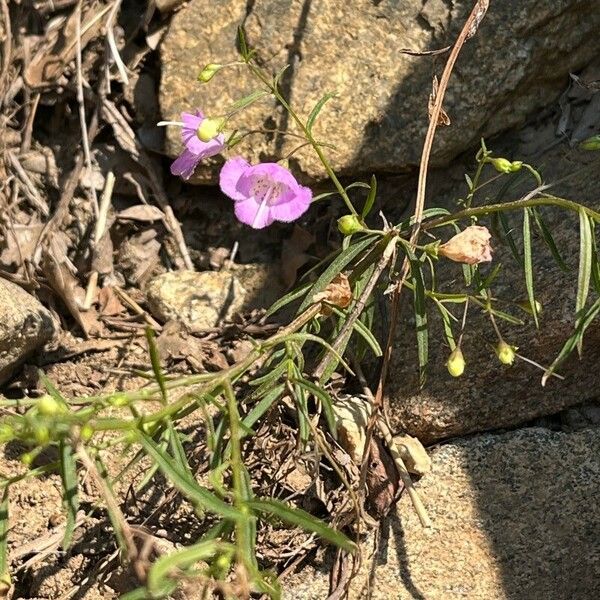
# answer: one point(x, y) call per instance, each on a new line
point(262, 206)
point(165, 123)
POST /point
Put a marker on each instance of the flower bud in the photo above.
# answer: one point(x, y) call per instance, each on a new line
point(41, 434)
point(456, 363)
point(86, 432)
point(209, 72)
point(118, 400)
point(48, 406)
point(210, 128)
point(7, 433)
point(592, 143)
point(505, 352)
point(349, 224)
point(526, 306)
point(503, 165)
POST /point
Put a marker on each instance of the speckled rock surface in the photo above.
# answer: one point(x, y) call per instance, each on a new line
point(519, 62)
point(490, 395)
point(199, 300)
point(25, 326)
point(515, 517)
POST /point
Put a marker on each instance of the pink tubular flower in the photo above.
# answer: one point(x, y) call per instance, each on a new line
point(470, 246)
point(195, 149)
point(263, 193)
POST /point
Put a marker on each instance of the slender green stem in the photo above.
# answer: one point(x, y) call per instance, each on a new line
point(544, 200)
point(311, 140)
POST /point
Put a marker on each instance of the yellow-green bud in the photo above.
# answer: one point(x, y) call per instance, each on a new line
point(349, 224)
point(7, 433)
point(27, 458)
point(456, 363)
point(503, 165)
point(86, 432)
point(118, 400)
point(41, 434)
point(592, 143)
point(526, 306)
point(5, 584)
point(209, 72)
point(210, 128)
point(48, 406)
point(505, 352)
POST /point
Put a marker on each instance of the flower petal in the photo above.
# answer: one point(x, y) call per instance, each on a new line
point(253, 213)
point(229, 179)
point(185, 164)
point(293, 205)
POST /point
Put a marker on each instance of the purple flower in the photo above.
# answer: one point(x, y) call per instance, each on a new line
point(195, 149)
point(263, 193)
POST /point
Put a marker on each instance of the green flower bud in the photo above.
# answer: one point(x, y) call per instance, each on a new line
point(86, 432)
point(7, 433)
point(28, 458)
point(503, 165)
point(210, 128)
point(118, 400)
point(349, 224)
point(5, 584)
point(209, 72)
point(592, 143)
point(456, 363)
point(48, 406)
point(505, 352)
point(41, 434)
point(526, 306)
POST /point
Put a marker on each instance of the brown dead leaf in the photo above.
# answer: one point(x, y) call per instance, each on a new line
point(60, 42)
point(383, 482)
point(141, 212)
point(338, 293)
point(109, 303)
point(20, 243)
point(293, 254)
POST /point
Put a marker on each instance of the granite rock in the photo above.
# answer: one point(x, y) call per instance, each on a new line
point(25, 326)
point(515, 516)
point(518, 62)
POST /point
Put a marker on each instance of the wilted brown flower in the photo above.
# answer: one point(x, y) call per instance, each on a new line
point(470, 246)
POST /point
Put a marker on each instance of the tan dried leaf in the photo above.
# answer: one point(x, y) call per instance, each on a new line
point(338, 292)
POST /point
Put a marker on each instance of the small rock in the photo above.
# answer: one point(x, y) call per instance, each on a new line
point(351, 418)
point(413, 454)
point(199, 300)
point(25, 326)
point(515, 516)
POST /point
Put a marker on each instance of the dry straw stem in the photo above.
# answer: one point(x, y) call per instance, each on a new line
point(469, 29)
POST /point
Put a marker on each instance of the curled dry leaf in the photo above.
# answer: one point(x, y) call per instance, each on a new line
point(141, 212)
point(338, 293)
point(443, 118)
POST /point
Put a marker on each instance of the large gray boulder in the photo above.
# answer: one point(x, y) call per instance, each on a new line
point(518, 62)
point(25, 326)
point(514, 516)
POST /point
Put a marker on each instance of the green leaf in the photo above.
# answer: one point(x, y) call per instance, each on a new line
point(4, 526)
point(595, 259)
point(575, 340)
point(155, 361)
point(246, 101)
point(326, 403)
point(288, 298)
point(586, 248)
point(370, 198)
point(506, 232)
point(416, 276)
point(314, 113)
point(447, 317)
point(70, 485)
point(547, 237)
point(300, 518)
point(336, 267)
point(528, 265)
point(242, 44)
point(263, 406)
point(363, 331)
point(192, 490)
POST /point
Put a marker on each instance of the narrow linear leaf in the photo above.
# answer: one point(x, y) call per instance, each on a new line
point(70, 500)
point(263, 406)
point(585, 269)
point(326, 403)
point(314, 113)
point(155, 361)
point(246, 101)
point(528, 265)
point(506, 233)
point(336, 267)
point(4, 524)
point(370, 198)
point(574, 340)
point(193, 491)
point(306, 521)
point(595, 259)
point(242, 44)
point(364, 332)
point(416, 276)
point(547, 237)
